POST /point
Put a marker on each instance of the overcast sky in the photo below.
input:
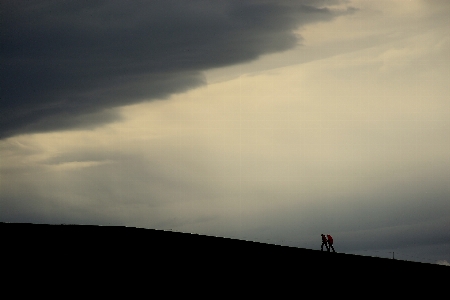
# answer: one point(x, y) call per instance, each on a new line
point(271, 121)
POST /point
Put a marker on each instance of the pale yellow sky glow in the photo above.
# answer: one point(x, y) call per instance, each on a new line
point(348, 133)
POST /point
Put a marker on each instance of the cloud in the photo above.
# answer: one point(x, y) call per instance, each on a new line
point(66, 64)
point(328, 145)
point(443, 262)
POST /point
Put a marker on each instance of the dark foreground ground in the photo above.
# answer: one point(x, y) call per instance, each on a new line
point(113, 258)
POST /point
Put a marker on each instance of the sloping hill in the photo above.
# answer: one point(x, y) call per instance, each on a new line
point(151, 255)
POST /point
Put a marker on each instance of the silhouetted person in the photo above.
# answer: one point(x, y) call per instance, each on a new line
point(330, 243)
point(324, 242)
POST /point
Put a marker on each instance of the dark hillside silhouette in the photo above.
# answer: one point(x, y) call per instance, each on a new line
point(92, 253)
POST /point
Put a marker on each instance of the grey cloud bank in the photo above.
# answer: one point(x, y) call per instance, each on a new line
point(349, 137)
point(65, 64)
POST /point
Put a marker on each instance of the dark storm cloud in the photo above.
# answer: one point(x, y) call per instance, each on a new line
point(66, 63)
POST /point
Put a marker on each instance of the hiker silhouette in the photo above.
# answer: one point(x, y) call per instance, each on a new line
point(330, 243)
point(324, 242)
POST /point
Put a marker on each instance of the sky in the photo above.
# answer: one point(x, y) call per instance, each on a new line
point(269, 121)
